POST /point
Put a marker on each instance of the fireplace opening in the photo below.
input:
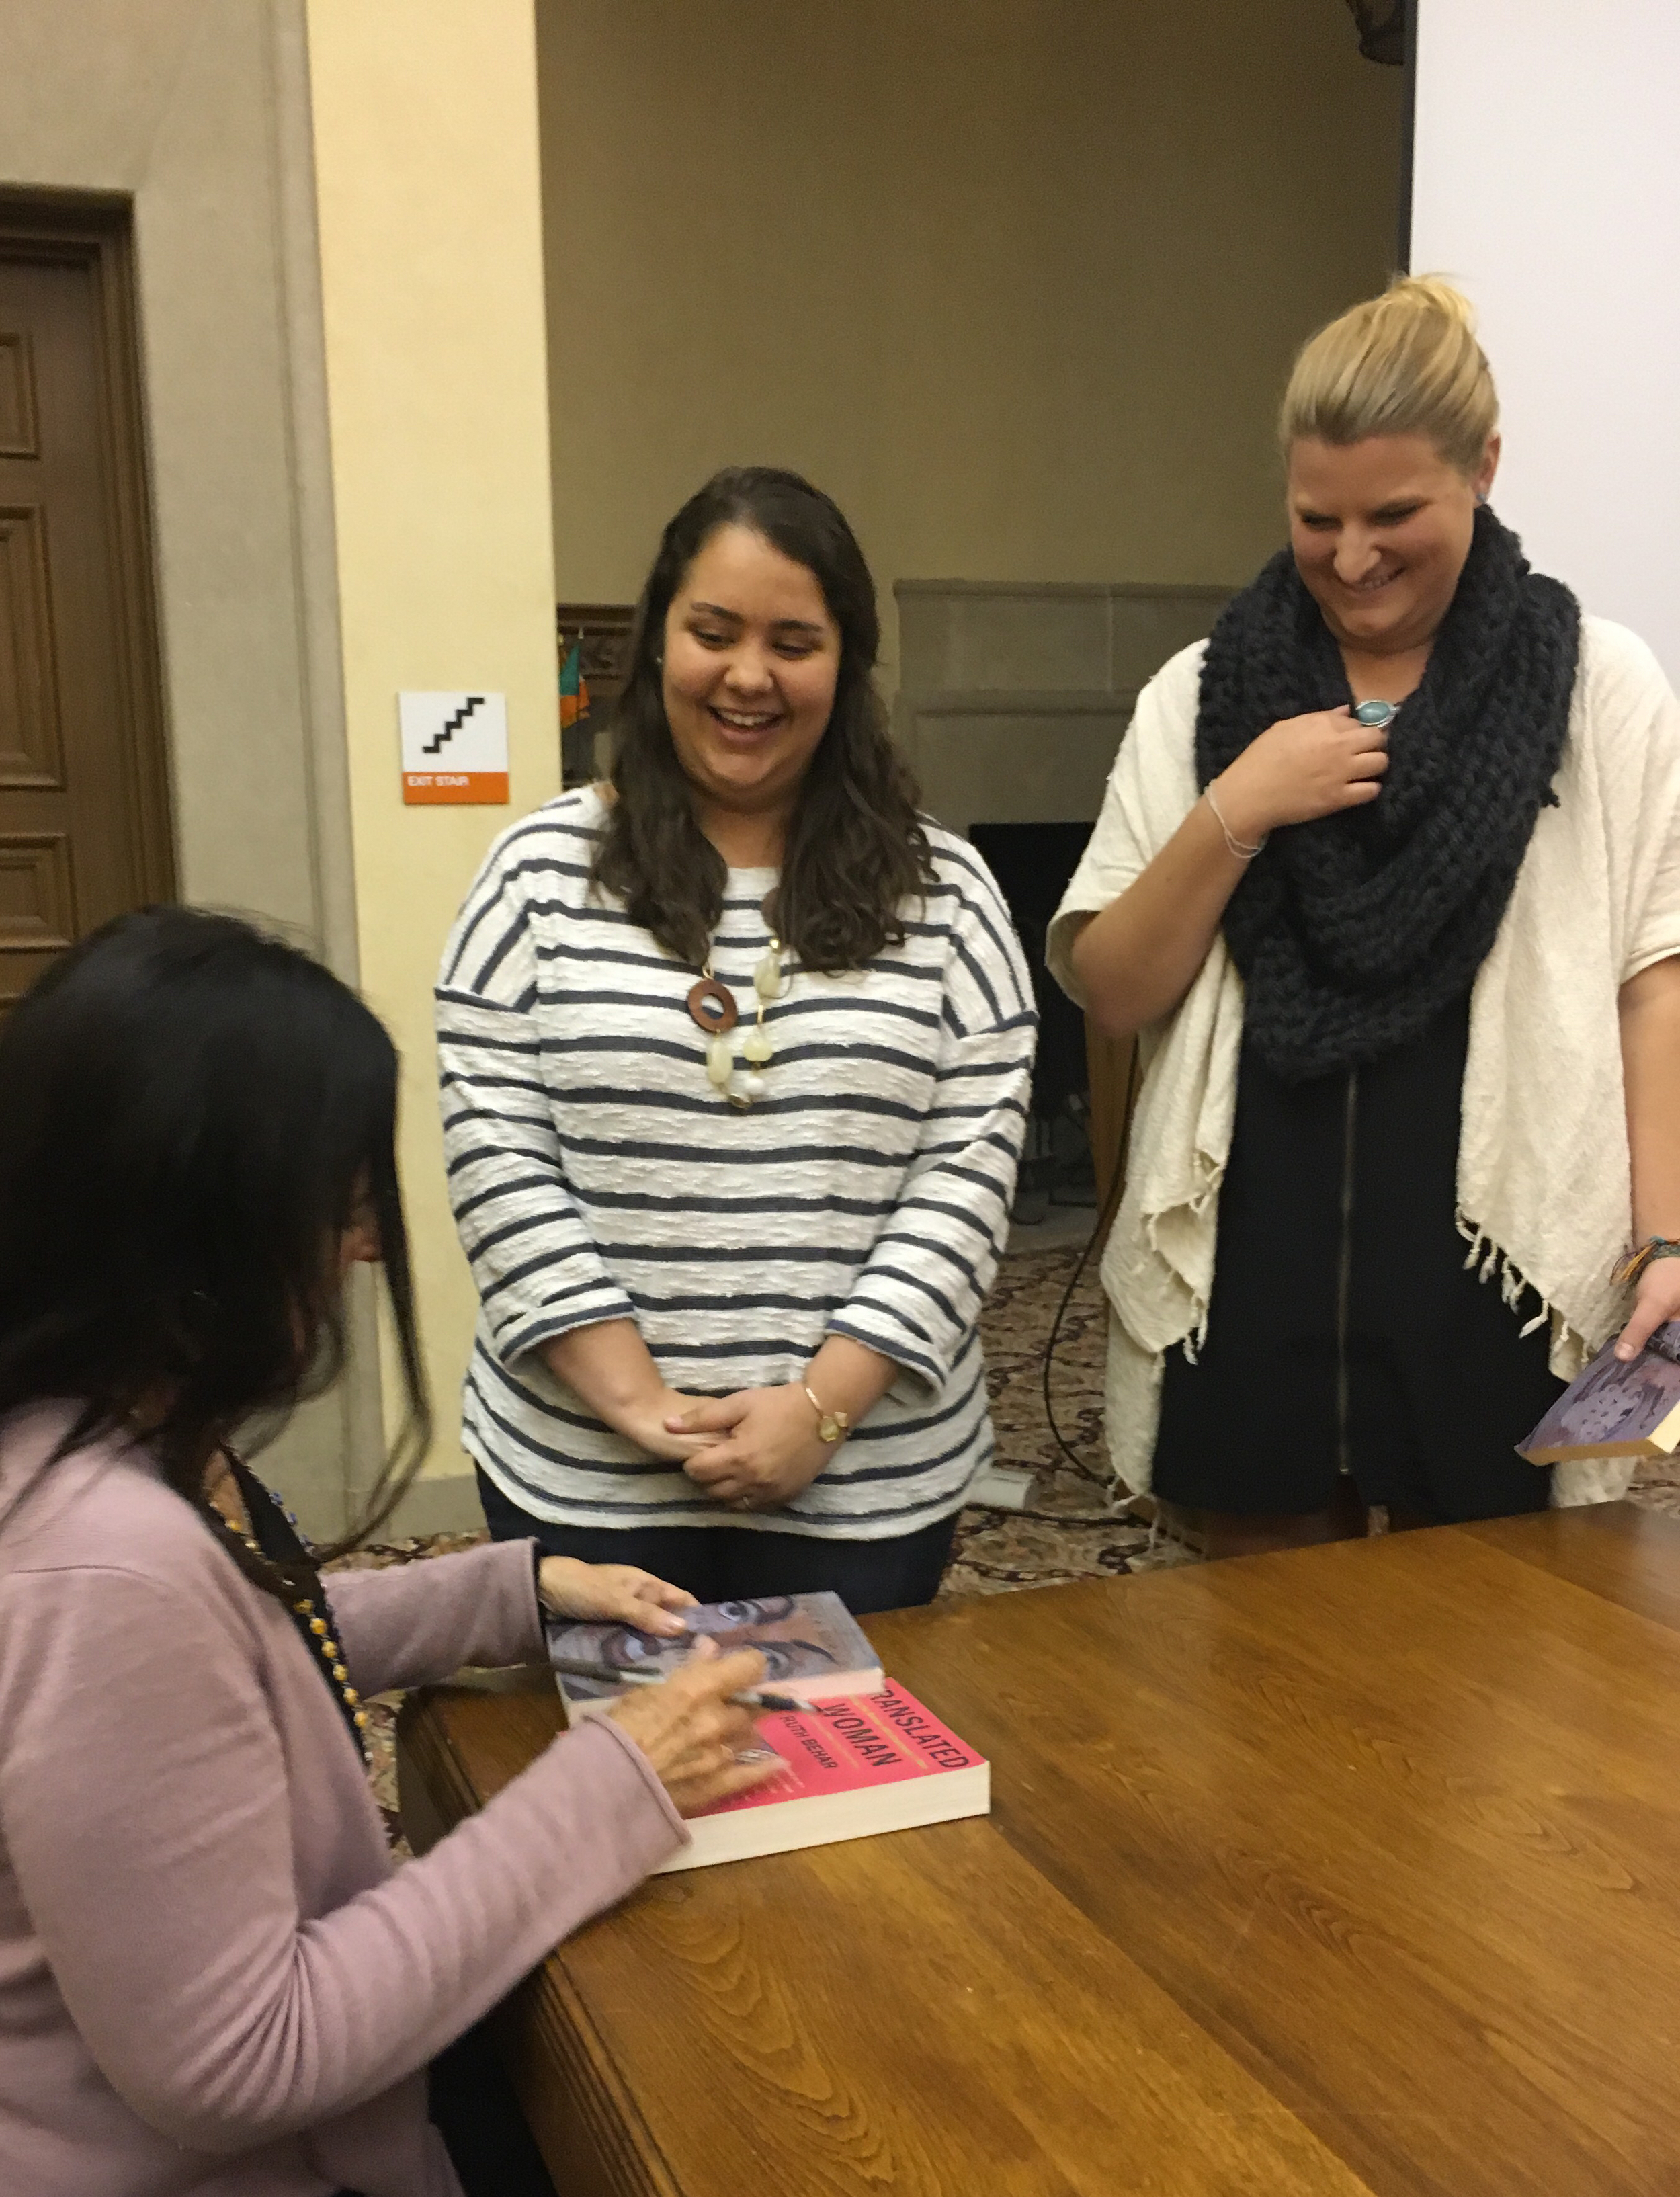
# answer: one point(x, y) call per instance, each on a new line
point(1033, 864)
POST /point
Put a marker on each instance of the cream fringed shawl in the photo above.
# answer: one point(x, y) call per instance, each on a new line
point(1543, 1192)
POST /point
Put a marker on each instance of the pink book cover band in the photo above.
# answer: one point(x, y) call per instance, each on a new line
point(870, 1740)
point(851, 1769)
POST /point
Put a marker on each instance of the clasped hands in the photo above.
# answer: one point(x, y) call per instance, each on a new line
point(755, 1450)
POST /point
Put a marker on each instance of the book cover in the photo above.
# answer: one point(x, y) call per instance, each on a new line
point(1615, 1409)
point(811, 1644)
point(853, 1768)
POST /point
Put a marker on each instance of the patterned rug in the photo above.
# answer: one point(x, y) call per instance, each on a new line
point(1070, 1530)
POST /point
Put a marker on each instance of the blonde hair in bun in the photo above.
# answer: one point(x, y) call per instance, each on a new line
point(1405, 364)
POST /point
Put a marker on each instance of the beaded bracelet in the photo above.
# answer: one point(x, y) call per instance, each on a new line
point(1633, 1264)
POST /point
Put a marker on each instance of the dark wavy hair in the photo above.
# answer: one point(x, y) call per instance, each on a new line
point(855, 849)
point(191, 1114)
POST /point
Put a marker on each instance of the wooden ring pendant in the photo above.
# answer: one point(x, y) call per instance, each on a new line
point(713, 1007)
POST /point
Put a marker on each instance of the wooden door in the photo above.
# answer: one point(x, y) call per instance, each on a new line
point(84, 830)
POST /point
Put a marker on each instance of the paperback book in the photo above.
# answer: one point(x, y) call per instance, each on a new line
point(1615, 1408)
point(853, 1767)
point(812, 1646)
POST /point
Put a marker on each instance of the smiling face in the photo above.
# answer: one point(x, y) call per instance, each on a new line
point(751, 660)
point(1380, 531)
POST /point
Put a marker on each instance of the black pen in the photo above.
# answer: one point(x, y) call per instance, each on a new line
point(753, 1698)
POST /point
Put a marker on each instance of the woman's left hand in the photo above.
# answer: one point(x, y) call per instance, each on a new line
point(612, 1593)
point(768, 1452)
point(1656, 1297)
point(1649, 1012)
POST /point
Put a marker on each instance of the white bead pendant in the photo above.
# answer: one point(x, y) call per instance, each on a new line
point(752, 1086)
point(720, 1059)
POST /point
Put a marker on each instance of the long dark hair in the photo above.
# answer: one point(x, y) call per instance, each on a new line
point(855, 851)
point(191, 1114)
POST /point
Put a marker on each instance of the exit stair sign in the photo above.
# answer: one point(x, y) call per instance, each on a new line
point(455, 748)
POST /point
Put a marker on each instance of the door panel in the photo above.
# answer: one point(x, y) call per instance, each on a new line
point(84, 824)
point(31, 748)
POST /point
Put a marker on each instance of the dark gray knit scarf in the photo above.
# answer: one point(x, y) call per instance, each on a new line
point(1351, 933)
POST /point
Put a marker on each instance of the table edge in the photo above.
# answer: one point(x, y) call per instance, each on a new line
point(618, 2155)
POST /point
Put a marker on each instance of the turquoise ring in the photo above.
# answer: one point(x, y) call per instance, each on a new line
point(1376, 714)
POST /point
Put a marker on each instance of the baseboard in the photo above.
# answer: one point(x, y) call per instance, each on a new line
point(1003, 1487)
point(446, 1503)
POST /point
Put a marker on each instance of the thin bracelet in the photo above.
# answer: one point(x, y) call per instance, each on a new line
point(1630, 1267)
point(1243, 853)
point(831, 1425)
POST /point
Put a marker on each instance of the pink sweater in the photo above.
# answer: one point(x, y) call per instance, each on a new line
point(210, 1977)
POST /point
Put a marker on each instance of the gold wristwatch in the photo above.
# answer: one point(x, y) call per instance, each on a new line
point(832, 1426)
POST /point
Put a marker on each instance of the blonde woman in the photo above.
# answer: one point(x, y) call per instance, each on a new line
point(1387, 882)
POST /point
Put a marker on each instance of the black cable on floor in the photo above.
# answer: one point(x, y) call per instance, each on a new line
point(1109, 1205)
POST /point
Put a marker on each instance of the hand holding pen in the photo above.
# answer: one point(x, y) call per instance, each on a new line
point(700, 1744)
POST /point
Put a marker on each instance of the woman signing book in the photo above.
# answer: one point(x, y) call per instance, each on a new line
point(210, 1977)
point(1387, 882)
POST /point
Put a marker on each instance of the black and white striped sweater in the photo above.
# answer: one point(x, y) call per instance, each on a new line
point(597, 1175)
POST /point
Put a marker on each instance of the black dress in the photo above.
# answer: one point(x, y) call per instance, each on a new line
point(1345, 1332)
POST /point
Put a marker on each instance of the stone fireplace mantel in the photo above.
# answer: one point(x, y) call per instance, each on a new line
point(1013, 695)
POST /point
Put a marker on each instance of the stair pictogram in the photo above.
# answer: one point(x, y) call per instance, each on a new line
point(451, 726)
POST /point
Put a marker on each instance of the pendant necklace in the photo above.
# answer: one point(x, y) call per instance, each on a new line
point(713, 1007)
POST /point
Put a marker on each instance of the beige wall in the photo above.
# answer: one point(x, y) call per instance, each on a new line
point(337, 215)
point(199, 109)
point(426, 145)
point(1016, 281)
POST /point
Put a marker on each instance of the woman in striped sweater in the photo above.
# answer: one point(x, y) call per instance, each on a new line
point(735, 1058)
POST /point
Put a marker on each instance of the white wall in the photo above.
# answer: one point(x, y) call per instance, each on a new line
point(1547, 178)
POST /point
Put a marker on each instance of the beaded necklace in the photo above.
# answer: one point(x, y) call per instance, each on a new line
point(305, 1610)
point(713, 1007)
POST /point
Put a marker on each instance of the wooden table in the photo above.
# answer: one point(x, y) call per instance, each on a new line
point(1348, 1870)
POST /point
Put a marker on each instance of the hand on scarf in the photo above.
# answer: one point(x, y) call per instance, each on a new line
point(1300, 769)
